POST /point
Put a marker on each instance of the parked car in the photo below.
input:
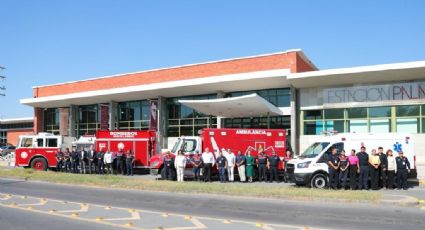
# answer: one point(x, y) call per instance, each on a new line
point(6, 150)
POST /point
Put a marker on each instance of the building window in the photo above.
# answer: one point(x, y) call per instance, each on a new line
point(88, 120)
point(3, 138)
point(383, 119)
point(133, 115)
point(185, 121)
point(313, 127)
point(51, 121)
point(278, 97)
point(275, 122)
point(408, 120)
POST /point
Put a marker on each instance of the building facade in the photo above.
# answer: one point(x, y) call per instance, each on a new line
point(288, 92)
point(10, 129)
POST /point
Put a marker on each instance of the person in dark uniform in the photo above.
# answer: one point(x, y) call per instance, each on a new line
point(120, 162)
point(59, 160)
point(168, 166)
point(262, 165)
point(343, 169)
point(221, 166)
point(272, 165)
point(100, 161)
point(382, 168)
point(196, 162)
point(75, 160)
point(67, 160)
point(333, 165)
point(375, 162)
point(364, 168)
point(83, 160)
point(403, 168)
point(92, 160)
point(129, 162)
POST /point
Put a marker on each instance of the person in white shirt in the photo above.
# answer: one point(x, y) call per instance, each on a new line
point(391, 170)
point(180, 164)
point(230, 157)
point(208, 160)
point(108, 159)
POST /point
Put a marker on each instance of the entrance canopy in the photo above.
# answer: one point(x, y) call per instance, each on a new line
point(250, 105)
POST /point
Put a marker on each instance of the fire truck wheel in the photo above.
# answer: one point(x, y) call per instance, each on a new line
point(39, 163)
point(319, 181)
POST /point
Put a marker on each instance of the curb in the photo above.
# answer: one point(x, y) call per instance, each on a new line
point(402, 200)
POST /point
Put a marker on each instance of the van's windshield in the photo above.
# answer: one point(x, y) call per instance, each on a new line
point(314, 150)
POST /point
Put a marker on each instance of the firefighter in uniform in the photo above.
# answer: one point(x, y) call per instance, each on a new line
point(197, 166)
point(403, 168)
point(383, 167)
point(75, 160)
point(100, 161)
point(120, 162)
point(67, 160)
point(261, 164)
point(221, 166)
point(59, 160)
point(129, 160)
point(333, 165)
point(272, 165)
point(168, 166)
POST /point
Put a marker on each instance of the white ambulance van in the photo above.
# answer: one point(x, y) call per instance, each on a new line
point(310, 167)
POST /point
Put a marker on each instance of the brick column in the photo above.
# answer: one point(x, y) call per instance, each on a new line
point(72, 120)
point(38, 120)
point(64, 121)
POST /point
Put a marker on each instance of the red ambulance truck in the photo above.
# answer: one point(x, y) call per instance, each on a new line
point(217, 139)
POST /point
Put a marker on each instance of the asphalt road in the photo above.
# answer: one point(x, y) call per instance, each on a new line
point(271, 211)
point(14, 219)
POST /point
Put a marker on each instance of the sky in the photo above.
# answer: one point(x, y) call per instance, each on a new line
point(52, 41)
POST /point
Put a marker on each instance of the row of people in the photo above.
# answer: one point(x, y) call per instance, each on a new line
point(93, 162)
point(225, 163)
point(380, 167)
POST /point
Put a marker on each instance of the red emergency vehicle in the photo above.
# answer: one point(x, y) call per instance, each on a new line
point(39, 151)
point(141, 143)
point(236, 139)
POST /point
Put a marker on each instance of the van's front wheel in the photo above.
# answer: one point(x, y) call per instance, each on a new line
point(319, 181)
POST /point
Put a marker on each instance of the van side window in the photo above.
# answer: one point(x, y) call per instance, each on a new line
point(40, 142)
point(338, 146)
point(52, 142)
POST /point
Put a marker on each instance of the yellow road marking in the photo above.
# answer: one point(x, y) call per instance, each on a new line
point(84, 208)
point(41, 203)
point(136, 215)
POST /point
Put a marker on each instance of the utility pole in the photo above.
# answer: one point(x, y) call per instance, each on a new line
point(2, 87)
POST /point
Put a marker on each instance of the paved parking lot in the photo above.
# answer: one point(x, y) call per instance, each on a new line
point(128, 218)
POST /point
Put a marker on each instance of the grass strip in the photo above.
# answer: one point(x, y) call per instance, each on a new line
point(251, 190)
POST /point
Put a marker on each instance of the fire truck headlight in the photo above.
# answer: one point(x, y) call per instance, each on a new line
point(303, 165)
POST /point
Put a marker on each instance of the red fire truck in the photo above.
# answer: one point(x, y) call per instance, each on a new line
point(39, 151)
point(217, 139)
point(141, 143)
